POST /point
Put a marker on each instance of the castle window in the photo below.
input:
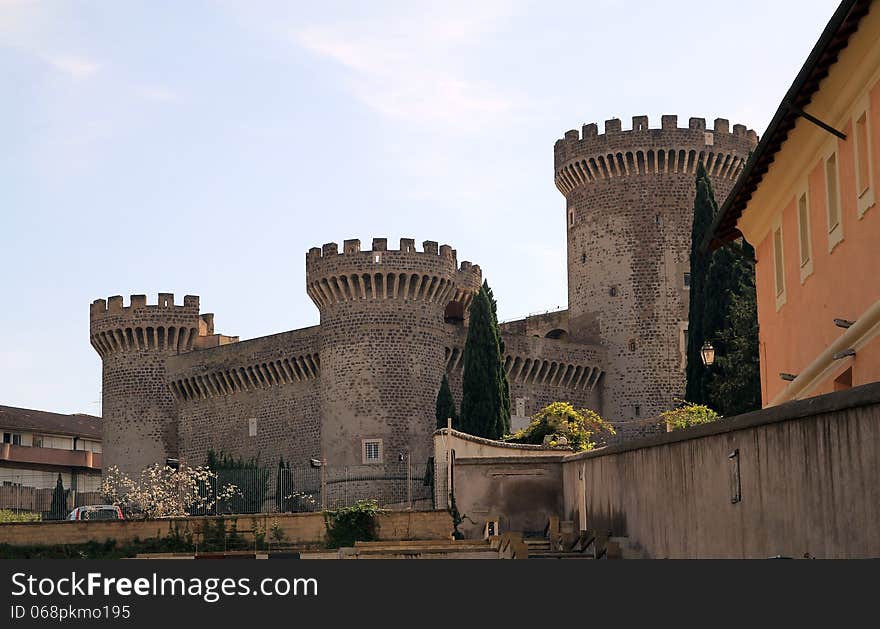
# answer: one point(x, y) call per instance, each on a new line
point(613, 291)
point(632, 345)
point(377, 258)
point(571, 218)
point(584, 258)
point(252, 427)
point(638, 410)
point(687, 281)
point(371, 450)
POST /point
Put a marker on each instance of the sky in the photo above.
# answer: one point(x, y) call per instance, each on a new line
point(203, 147)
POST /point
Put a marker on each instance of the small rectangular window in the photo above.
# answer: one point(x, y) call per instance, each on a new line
point(252, 427)
point(687, 280)
point(778, 263)
point(372, 451)
point(570, 218)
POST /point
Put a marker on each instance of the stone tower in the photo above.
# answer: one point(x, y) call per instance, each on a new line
point(139, 415)
point(629, 210)
point(382, 345)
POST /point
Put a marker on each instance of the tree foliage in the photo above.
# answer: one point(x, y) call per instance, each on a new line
point(581, 429)
point(704, 210)
point(688, 414)
point(722, 311)
point(485, 403)
point(161, 491)
point(58, 508)
point(445, 407)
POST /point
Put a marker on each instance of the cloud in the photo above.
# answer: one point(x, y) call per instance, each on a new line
point(75, 67)
point(417, 68)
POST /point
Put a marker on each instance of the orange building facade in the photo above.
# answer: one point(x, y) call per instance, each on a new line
point(808, 203)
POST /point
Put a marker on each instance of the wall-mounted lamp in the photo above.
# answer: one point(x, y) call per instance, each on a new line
point(735, 481)
point(843, 323)
point(788, 377)
point(707, 353)
point(844, 354)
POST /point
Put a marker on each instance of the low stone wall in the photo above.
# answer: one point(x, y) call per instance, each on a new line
point(793, 480)
point(799, 478)
point(298, 528)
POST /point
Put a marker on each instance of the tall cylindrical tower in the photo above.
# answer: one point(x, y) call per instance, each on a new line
point(629, 210)
point(139, 418)
point(382, 352)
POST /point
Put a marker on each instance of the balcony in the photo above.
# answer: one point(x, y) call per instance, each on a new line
point(50, 456)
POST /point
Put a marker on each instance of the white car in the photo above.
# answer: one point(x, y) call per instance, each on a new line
point(96, 512)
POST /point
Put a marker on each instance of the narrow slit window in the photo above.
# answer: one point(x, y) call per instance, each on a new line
point(833, 197)
point(862, 164)
point(804, 229)
point(778, 261)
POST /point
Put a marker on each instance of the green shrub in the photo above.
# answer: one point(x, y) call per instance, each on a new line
point(582, 429)
point(356, 523)
point(8, 515)
point(687, 415)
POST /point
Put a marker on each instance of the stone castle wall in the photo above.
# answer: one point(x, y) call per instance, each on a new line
point(540, 370)
point(394, 321)
point(629, 209)
point(134, 343)
point(271, 382)
point(381, 347)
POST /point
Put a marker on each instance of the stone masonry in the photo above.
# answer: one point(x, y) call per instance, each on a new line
point(394, 321)
point(629, 210)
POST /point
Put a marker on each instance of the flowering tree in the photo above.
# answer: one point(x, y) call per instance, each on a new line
point(559, 424)
point(688, 414)
point(161, 491)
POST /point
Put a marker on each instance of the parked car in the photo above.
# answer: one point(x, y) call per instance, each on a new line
point(96, 512)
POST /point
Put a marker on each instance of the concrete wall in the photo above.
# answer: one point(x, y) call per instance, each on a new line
point(521, 493)
point(466, 447)
point(299, 528)
point(808, 483)
point(809, 473)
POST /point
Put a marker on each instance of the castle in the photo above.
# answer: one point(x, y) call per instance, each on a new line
point(357, 392)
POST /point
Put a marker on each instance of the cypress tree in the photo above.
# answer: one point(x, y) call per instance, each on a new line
point(482, 402)
point(503, 349)
point(704, 211)
point(736, 386)
point(59, 500)
point(445, 407)
point(723, 311)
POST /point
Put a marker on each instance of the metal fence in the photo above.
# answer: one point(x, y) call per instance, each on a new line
point(37, 492)
point(395, 486)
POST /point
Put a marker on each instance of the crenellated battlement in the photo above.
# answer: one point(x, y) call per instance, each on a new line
point(432, 274)
point(586, 156)
point(351, 247)
point(113, 306)
point(162, 326)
